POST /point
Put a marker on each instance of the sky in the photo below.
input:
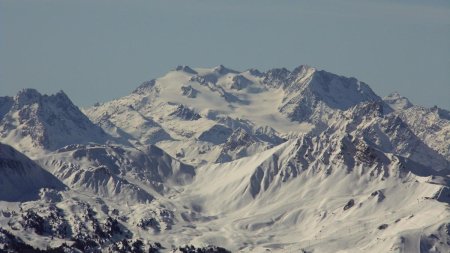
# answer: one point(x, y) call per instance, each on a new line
point(98, 50)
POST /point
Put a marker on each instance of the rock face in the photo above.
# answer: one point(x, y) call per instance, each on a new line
point(185, 113)
point(188, 91)
point(217, 134)
point(298, 160)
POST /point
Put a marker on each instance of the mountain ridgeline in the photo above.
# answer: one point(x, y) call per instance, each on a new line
point(224, 160)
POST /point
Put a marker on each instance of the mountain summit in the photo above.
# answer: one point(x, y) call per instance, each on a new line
point(32, 120)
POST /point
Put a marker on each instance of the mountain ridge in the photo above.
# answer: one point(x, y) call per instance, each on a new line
point(31, 119)
point(298, 160)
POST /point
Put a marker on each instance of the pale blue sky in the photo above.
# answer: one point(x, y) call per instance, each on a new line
point(97, 50)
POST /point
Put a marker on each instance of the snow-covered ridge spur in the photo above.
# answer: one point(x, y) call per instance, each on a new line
point(253, 161)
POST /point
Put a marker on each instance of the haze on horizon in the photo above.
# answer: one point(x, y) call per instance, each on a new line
point(100, 50)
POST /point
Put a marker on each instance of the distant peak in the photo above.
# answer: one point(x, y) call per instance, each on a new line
point(397, 101)
point(61, 99)
point(61, 92)
point(302, 69)
point(186, 69)
point(276, 77)
point(223, 70)
point(301, 72)
point(255, 72)
point(29, 92)
point(394, 95)
point(145, 86)
point(27, 96)
point(62, 95)
point(32, 95)
point(278, 72)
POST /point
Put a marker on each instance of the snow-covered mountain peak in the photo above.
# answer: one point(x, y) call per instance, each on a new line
point(276, 77)
point(222, 70)
point(397, 101)
point(26, 97)
point(186, 69)
point(254, 72)
point(35, 121)
point(32, 96)
point(394, 95)
point(338, 91)
point(145, 87)
point(302, 71)
point(278, 97)
point(314, 96)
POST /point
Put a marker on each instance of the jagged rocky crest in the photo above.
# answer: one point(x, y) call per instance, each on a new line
point(31, 119)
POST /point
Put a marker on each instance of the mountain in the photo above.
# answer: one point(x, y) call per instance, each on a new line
point(281, 160)
point(320, 193)
point(397, 102)
point(432, 125)
point(188, 104)
point(312, 95)
point(31, 121)
point(120, 173)
point(21, 179)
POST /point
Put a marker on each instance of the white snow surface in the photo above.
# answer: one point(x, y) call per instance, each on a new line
point(275, 161)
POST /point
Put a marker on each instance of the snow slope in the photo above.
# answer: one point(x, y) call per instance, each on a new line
point(289, 198)
point(122, 174)
point(21, 179)
point(275, 161)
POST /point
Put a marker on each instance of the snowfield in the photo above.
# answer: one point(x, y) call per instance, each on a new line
point(226, 161)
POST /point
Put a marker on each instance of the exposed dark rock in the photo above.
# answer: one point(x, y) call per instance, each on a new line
point(349, 204)
point(383, 226)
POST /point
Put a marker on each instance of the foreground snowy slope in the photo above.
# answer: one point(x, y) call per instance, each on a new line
point(281, 161)
point(286, 201)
